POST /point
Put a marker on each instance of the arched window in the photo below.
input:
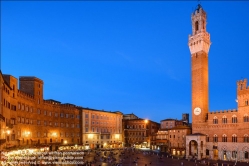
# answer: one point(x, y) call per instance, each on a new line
point(196, 26)
point(246, 118)
point(224, 138)
point(215, 120)
point(215, 138)
point(207, 138)
point(224, 119)
point(234, 138)
point(246, 155)
point(234, 154)
point(234, 119)
point(246, 102)
point(246, 138)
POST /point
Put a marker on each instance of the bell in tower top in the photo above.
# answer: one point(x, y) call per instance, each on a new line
point(200, 38)
point(198, 20)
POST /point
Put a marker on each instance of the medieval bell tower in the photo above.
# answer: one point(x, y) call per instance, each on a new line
point(199, 44)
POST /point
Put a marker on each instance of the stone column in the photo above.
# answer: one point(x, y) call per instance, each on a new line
point(204, 151)
point(187, 150)
point(199, 152)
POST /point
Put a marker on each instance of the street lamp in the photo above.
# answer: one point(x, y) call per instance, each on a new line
point(27, 133)
point(7, 137)
point(8, 132)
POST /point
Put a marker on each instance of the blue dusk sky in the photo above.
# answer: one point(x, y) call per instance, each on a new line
point(124, 56)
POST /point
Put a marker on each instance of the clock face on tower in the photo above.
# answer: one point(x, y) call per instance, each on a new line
point(197, 111)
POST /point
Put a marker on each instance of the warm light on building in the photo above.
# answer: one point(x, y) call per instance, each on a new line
point(90, 136)
point(27, 133)
point(116, 136)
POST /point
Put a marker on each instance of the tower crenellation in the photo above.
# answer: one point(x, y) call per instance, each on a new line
point(242, 84)
point(200, 38)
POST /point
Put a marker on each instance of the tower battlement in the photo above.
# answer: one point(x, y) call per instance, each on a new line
point(242, 84)
point(223, 111)
point(200, 38)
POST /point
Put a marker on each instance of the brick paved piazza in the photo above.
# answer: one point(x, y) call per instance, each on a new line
point(130, 157)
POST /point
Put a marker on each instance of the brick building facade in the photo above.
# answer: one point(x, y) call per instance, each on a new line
point(171, 136)
point(217, 134)
point(140, 133)
point(27, 120)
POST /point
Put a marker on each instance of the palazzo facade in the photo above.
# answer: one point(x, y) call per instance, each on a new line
point(218, 134)
point(27, 120)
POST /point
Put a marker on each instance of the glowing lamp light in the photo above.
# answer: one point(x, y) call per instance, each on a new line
point(117, 136)
point(27, 133)
point(90, 136)
point(146, 120)
point(65, 142)
point(8, 131)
